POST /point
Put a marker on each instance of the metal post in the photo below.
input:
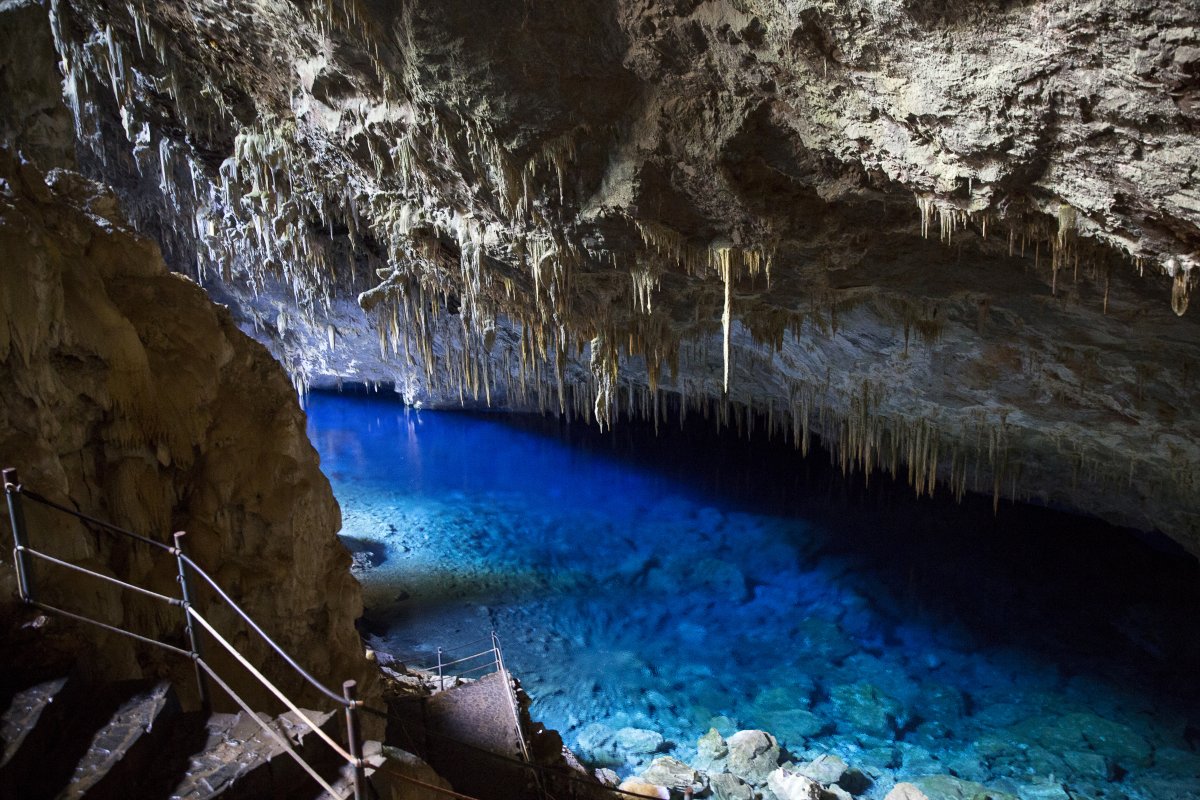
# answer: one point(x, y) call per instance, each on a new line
point(16, 515)
point(354, 739)
point(185, 587)
point(441, 680)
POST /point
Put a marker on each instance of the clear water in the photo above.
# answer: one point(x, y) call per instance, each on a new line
point(690, 581)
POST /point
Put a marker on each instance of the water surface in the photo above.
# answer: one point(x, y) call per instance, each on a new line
point(688, 581)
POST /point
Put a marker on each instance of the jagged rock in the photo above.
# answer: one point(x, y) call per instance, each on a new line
point(607, 777)
point(125, 388)
point(788, 785)
point(711, 751)
point(672, 773)
point(730, 787)
point(823, 769)
point(753, 755)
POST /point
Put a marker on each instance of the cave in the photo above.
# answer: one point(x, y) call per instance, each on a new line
point(635, 398)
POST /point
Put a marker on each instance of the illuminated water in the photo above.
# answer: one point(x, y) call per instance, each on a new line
point(687, 582)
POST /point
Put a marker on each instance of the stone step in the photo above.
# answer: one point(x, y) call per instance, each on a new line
point(242, 762)
point(24, 709)
point(49, 731)
point(124, 747)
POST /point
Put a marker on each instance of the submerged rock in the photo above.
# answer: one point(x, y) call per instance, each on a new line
point(711, 751)
point(905, 791)
point(673, 773)
point(823, 769)
point(730, 787)
point(947, 787)
point(863, 707)
point(638, 741)
point(753, 755)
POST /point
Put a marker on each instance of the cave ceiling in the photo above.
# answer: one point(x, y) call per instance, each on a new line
point(954, 240)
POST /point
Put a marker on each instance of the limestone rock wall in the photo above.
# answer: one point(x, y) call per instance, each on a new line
point(128, 393)
point(952, 239)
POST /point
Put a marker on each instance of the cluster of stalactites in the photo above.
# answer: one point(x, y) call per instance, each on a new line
point(721, 256)
point(1061, 240)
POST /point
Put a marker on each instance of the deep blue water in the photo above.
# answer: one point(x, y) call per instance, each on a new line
point(689, 580)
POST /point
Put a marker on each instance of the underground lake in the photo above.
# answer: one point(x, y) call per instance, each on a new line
point(650, 587)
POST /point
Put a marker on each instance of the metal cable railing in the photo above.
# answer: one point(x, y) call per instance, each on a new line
point(543, 775)
point(23, 553)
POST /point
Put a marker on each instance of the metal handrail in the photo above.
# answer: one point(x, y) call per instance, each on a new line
point(14, 491)
point(175, 601)
point(316, 684)
point(282, 740)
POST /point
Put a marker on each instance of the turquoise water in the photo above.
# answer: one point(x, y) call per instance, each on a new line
point(683, 582)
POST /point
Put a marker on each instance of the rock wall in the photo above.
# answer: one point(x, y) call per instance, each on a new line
point(950, 239)
point(129, 395)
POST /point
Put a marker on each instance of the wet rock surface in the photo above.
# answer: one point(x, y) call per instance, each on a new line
point(130, 394)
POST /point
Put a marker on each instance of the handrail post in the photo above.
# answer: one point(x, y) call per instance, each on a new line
point(185, 587)
point(441, 680)
point(16, 515)
point(354, 739)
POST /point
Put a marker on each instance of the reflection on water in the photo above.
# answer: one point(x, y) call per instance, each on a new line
point(685, 582)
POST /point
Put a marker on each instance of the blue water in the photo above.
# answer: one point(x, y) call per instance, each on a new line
point(689, 581)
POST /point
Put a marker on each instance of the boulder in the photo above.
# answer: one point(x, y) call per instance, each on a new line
point(730, 787)
point(947, 787)
point(793, 725)
point(863, 707)
point(607, 777)
point(711, 751)
point(1085, 731)
point(905, 791)
point(672, 772)
point(789, 785)
point(637, 741)
point(825, 769)
point(753, 755)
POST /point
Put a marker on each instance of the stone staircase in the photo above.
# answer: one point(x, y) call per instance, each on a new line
point(63, 738)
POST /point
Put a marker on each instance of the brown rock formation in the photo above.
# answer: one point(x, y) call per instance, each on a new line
point(129, 393)
point(730, 207)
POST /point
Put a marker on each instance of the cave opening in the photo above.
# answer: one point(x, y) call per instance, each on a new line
point(651, 585)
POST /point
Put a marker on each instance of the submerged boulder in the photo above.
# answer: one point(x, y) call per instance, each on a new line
point(672, 772)
point(753, 755)
point(863, 707)
point(727, 786)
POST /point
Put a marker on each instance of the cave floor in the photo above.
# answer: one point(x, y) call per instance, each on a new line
point(648, 588)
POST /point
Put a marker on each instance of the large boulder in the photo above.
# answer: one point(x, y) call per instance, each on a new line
point(673, 773)
point(753, 755)
point(863, 707)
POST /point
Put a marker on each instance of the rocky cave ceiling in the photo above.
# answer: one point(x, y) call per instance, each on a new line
point(952, 239)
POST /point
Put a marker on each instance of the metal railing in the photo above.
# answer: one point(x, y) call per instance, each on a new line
point(475, 666)
point(24, 554)
point(478, 664)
